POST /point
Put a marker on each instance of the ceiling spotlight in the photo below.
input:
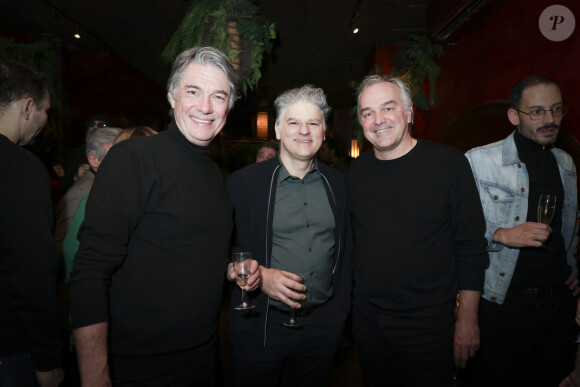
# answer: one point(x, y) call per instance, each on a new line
point(355, 30)
point(77, 36)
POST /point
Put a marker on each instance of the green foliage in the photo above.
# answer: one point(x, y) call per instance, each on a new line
point(417, 63)
point(40, 55)
point(206, 23)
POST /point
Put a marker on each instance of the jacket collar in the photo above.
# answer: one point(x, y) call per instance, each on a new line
point(510, 152)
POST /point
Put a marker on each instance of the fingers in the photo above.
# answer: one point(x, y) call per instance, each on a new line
point(253, 281)
point(460, 354)
point(572, 283)
point(292, 290)
point(282, 286)
point(463, 353)
point(231, 272)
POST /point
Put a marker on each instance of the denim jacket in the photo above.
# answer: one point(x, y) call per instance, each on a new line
point(503, 183)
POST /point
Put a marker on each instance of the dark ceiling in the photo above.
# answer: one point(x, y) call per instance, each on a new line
point(314, 44)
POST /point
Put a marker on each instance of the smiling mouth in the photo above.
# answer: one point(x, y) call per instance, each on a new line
point(382, 130)
point(200, 121)
point(303, 141)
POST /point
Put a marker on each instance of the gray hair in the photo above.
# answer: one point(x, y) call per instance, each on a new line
point(405, 92)
point(99, 137)
point(306, 93)
point(203, 56)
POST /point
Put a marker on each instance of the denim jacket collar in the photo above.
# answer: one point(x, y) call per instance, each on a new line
point(510, 151)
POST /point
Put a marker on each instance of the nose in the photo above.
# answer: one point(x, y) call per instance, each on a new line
point(548, 117)
point(205, 105)
point(379, 118)
point(304, 128)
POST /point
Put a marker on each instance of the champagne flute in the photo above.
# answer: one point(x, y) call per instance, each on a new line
point(546, 208)
point(293, 322)
point(242, 264)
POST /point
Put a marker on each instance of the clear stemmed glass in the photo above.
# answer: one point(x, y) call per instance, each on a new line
point(546, 208)
point(242, 263)
point(293, 322)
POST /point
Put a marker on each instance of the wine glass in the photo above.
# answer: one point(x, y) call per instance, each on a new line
point(293, 322)
point(242, 263)
point(546, 208)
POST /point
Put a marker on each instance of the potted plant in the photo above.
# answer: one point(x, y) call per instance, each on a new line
point(234, 26)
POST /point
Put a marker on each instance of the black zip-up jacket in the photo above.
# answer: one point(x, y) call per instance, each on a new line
point(252, 191)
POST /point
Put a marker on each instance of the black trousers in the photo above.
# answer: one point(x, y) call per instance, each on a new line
point(175, 371)
point(296, 357)
point(404, 348)
point(528, 341)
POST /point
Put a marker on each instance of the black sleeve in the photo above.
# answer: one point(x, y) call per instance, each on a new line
point(470, 244)
point(112, 212)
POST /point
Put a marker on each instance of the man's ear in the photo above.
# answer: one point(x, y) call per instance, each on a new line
point(513, 116)
point(171, 99)
point(26, 107)
point(94, 162)
point(277, 130)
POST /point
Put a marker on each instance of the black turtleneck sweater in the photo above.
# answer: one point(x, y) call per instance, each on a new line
point(153, 248)
point(545, 266)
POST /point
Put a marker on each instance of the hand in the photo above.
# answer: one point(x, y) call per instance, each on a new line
point(282, 286)
point(50, 378)
point(254, 279)
point(529, 234)
point(572, 283)
point(466, 341)
point(82, 170)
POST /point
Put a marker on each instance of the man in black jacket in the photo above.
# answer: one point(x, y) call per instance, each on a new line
point(290, 212)
point(28, 264)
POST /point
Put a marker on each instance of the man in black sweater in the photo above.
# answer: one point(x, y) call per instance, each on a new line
point(28, 264)
point(148, 276)
point(418, 227)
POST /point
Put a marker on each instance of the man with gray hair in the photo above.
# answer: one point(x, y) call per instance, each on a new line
point(290, 212)
point(98, 144)
point(418, 227)
point(146, 285)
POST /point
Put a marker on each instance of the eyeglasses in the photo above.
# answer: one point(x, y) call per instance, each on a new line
point(537, 114)
point(98, 124)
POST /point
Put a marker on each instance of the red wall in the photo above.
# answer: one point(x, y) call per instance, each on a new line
point(502, 49)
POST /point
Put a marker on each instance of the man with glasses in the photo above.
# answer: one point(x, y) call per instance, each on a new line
point(526, 315)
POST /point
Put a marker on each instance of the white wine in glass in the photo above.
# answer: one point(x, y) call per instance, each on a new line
point(242, 266)
point(546, 208)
